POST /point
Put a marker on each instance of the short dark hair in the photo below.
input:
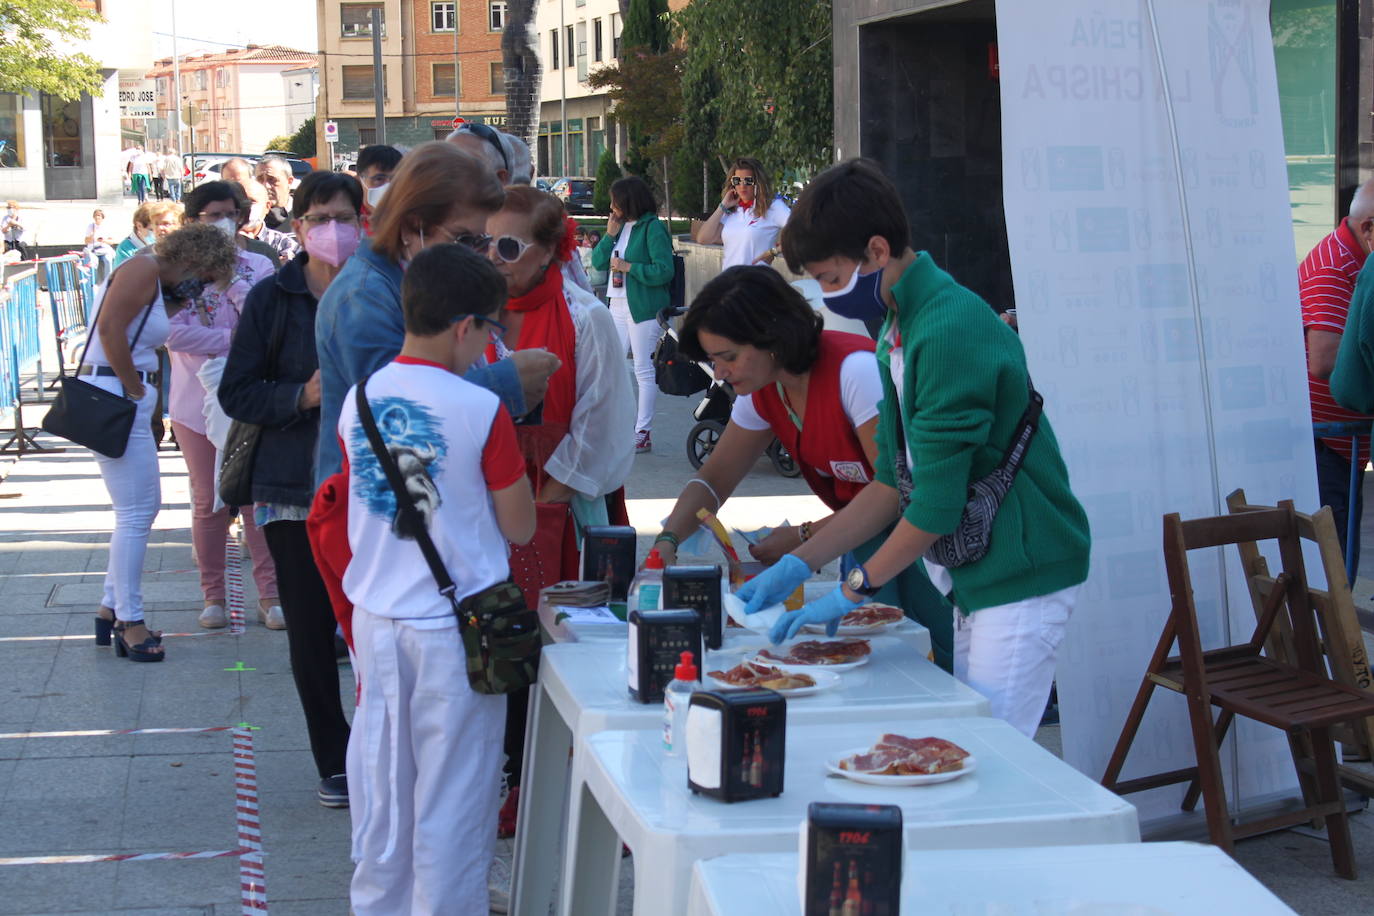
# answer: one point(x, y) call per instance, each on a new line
point(755, 306)
point(378, 154)
point(321, 187)
point(212, 191)
point(632, 195)
point(428, 298)
point(840, 210)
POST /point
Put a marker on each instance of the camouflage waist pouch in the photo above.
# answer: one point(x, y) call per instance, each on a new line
point(500, 639)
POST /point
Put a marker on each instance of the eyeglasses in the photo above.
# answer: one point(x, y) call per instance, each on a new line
point(511, 249)
point(319, 219)
point(737, 180)
point(488, 134)
point(499, 329)
point(477, 243)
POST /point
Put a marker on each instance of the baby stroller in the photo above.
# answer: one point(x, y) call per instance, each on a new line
point(681, 377)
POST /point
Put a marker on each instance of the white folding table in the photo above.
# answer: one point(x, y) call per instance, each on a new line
point(624, 788)
point(1124, 879)
point(582, 690)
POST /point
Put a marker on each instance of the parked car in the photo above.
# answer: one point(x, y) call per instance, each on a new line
point(207, 166)
point(576, 194)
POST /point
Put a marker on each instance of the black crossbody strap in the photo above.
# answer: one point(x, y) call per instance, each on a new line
point(278, 336)
point(404, 504)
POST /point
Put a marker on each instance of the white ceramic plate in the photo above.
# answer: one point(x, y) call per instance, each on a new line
point(849, 630)
point(824, 681)
point(810, 669)
point(875, 779)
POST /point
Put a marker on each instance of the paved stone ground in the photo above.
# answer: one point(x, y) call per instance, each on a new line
point(104, 794)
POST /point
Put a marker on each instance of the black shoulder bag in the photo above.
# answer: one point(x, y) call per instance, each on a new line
point(89, 415)
point(500, 634)
point(970, 541)
point(241, 443)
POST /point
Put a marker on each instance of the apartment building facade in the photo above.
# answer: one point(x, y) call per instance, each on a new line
point(230, 101)
point(576, 37)
point(441, 60)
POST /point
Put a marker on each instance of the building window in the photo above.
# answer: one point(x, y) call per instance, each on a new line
point(596, 39)
point(441, 17)
point(357, 82)
point(355, 19)
point(367, 136)
point(553, 49)
point(200, 79)
point(445, 80)
point(498, 78)
point(61, 131)
point(11, 131)
point(582, 51)
point(615, 37)
point(496, 14)
point(571, 43)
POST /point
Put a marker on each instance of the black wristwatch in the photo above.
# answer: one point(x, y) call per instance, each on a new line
point(858, 583)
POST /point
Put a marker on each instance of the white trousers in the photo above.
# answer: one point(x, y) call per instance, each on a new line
point(424, 760)
point(641, 337)
point(135, 489)
point(1007, 654)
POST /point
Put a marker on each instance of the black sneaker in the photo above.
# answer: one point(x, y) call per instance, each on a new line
point(333, 791)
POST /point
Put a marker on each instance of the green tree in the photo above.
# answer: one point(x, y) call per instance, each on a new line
point(644, 87)
point(280, 143)
point(646, 26)
point(759, 85)
point(302, 142)
point(29, 58)
point(607, 173)
point(686, 182)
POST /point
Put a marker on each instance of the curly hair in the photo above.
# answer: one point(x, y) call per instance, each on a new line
point(201, 249)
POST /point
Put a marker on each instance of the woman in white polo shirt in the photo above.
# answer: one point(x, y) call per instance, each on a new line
point(748, 219)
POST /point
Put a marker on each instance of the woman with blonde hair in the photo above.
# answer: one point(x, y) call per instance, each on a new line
point(749, 218)
point(153, 220)
point(439, 195)
point(131, 321)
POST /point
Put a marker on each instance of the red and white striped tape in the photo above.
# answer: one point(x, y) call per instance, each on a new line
point(111, 732)
point(252, 877)
point(233, 580)
point(120, 857)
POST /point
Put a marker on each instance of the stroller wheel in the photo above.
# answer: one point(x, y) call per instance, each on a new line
point(782, 459)
point(702, 439)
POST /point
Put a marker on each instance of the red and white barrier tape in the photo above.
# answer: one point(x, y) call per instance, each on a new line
point(119, 857)
point(252, 877)
point(111, 732)
point(233, 580)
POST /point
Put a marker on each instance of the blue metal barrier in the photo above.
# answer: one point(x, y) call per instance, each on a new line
point(1355, 431)
point(22, 353)
point(71, 289)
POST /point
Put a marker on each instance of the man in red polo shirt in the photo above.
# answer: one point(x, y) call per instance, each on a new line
point(1326, 281)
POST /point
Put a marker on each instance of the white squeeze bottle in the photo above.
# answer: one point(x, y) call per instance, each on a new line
point(646, 591)
point(677, 696)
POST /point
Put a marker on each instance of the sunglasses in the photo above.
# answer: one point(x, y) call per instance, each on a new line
point(737, 180)
point(511, 249)
point(488, 134)
point(477, 243)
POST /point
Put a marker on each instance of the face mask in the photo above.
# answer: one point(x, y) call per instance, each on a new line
point(861, 297)
point(257, 212)
point(333, 242)
point(186, 290)
point(228, 225)
point(374, 195)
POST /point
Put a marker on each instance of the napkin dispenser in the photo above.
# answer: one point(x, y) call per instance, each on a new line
point(608, 555)
point(736, 743)
point(852, 859)
point(698, 588)
point(656, 641)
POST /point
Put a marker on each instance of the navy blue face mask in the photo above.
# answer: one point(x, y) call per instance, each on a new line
point(861, 298)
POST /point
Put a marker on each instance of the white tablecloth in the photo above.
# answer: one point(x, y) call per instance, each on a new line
point(624, 788)
point(1135, 879)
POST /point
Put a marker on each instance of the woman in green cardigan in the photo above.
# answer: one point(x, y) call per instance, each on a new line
point(639, 254)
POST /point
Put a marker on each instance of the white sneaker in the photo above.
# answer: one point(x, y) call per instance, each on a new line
point(498, 885)
point(272, 618)
point(214, 618)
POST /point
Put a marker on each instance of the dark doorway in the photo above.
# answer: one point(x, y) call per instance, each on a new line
point(68, 148)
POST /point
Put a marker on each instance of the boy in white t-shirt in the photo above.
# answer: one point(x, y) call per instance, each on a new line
point(424, 755)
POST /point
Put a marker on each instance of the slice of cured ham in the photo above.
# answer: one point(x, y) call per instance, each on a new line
point(897, 755)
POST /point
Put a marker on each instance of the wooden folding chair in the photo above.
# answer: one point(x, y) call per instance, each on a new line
point(1295, 696)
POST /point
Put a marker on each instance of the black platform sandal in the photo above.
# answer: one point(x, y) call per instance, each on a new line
point(140, 652)
point(104, 625)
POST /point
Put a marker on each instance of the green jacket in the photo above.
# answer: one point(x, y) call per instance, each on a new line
point(650, 253)
point(1352, 378)
point(964, 390)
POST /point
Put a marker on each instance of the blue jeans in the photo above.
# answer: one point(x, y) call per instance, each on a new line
point(174, 189)
point(1333, 487)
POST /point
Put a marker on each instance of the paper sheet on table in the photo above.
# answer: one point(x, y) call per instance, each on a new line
point(761, 622)
point(600, 614)
point(758, 534)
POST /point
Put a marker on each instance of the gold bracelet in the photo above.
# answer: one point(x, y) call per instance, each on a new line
point(805, 532)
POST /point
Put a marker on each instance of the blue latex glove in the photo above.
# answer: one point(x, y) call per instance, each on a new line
point(774, 584)
point(827, 610)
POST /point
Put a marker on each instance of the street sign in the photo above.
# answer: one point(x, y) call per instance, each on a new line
point(137, 98)
point(331, 131)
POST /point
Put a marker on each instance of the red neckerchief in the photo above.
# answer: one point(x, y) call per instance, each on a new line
point(549, 324)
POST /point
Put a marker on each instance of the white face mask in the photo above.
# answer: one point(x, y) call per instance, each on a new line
point(256, 212)
point(374, 195)
point(228, 225)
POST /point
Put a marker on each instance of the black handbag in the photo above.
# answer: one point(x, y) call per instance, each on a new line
point(89, 415)
point(241, 442)
point(674, 373)
point(500, 634)
point(971, 539)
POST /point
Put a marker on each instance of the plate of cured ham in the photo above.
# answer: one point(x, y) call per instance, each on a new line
point(896, 760)
point(867, 618)
point(788, 682)
point(832, 654)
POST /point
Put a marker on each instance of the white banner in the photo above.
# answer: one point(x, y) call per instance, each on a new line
point(1152, 254)
point(137, 98)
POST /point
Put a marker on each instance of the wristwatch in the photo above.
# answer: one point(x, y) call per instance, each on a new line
point(858, 583)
